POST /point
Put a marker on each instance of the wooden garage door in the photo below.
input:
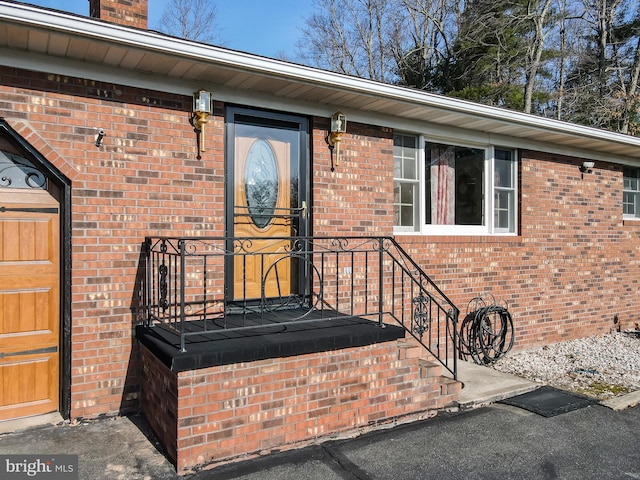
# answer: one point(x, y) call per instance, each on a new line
point(29, 302)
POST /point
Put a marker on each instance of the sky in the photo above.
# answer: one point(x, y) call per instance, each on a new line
point(263, 27)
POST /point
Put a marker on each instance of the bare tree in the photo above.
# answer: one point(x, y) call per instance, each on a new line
point(562, 61)
point(603, 81)
point(538, 13)
point(625, 47)
point(191, 20)
point(350, 36)
point(631, 100)
point(577, 60)
point(423, 37)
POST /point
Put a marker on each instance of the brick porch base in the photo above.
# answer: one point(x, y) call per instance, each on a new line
point(219, 414)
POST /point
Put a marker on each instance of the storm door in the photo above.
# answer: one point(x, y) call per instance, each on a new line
point(267, 202)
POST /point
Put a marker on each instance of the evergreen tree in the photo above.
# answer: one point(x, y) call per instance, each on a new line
point(602, 85)
point(489, 55)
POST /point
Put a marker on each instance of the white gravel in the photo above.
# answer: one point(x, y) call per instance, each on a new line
point(601, 367)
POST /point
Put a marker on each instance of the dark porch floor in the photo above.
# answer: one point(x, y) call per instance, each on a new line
point(278, 339)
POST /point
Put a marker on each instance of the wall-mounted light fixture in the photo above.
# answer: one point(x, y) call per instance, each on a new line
point(337, 129)
point(202, 108)
point(100, 137)
point(587, 167)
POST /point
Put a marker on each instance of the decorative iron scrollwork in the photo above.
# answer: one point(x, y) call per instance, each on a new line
point(306, 300)
point(18, 172)
point(162, 271)
point(300, 280)
point(421, 315)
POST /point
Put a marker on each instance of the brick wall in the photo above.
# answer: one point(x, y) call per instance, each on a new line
point(160, 392)
point(355, 198)
point(236, 411)
point(146, 181)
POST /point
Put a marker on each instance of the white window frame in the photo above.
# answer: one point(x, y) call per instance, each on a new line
point(417, 184)
point(489, 193)
point(513, 190)
point(636, 193)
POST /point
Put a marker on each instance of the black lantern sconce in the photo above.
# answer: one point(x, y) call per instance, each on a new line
point(337, 129)
point(202, 108)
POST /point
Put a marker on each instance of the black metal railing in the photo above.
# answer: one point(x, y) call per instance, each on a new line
point(197, 286)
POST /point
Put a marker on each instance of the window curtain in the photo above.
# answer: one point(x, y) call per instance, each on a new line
point(443, 175)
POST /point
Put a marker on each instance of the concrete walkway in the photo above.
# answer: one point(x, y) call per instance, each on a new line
point(484, 385)
point(492, 442)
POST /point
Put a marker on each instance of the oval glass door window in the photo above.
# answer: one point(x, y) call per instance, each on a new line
point(261, 183)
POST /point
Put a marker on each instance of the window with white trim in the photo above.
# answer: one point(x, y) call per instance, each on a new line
point(631, 192)
point(504, 187)
point(453, 189)
point(406, 184)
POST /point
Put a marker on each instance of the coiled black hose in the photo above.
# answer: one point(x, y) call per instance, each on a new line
point(486, 333)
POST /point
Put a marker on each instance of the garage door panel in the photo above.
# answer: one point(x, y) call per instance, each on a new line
point(33, 282)
point(30, 247)
point(28, 385)
point(25, 310)
point(27, 313)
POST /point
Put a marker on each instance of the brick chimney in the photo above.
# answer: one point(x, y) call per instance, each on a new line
point(130, 13)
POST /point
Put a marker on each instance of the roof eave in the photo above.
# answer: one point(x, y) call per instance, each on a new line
point(136, 39)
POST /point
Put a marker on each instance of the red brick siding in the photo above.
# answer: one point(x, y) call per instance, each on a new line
point(355, 198)
point(160, 394)
point(239, 410)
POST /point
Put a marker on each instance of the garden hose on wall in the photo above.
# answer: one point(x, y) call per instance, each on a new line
point(486, 333)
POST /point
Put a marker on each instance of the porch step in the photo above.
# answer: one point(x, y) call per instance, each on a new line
point(431, 371)
point(449, 386)
point(203, 415)
point(409, 349)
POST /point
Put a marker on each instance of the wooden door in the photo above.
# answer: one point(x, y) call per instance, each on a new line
point(29, 303)
point(263, 212)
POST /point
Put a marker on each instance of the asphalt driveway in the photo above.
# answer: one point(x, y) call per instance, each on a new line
point(494, 442)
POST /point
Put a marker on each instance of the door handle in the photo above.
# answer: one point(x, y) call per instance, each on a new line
point(303, 210)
